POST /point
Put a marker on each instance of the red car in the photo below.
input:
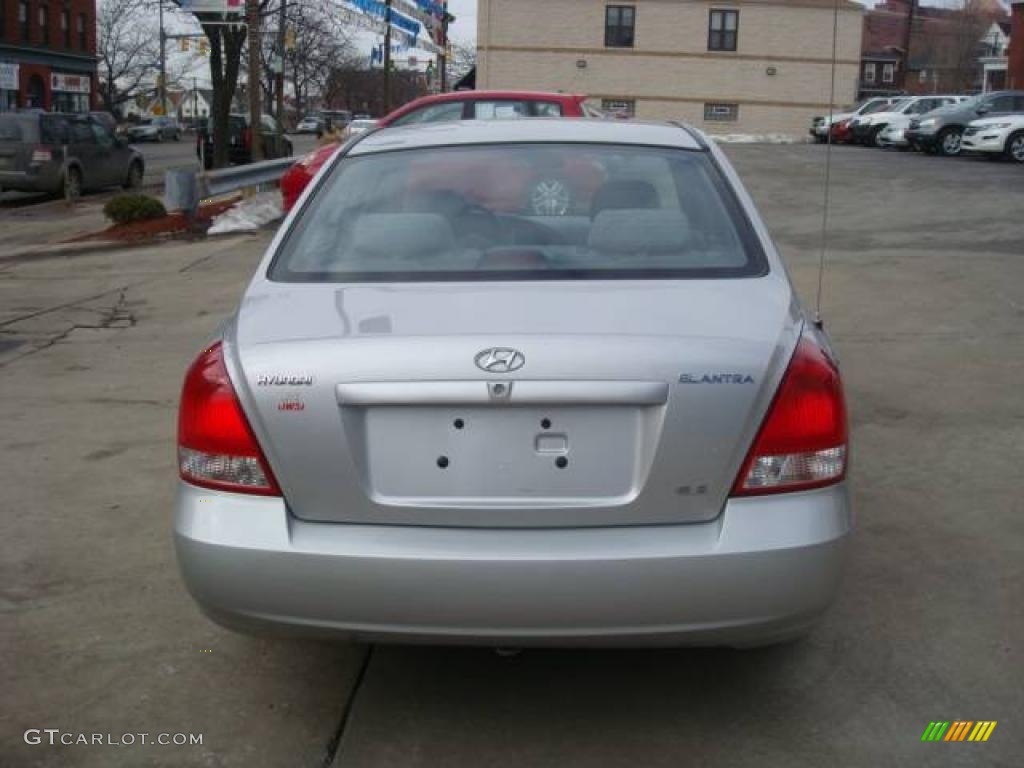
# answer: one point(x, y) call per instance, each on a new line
point(841, 133)
point(460, 105)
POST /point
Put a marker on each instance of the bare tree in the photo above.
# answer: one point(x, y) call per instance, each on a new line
point(947, 44)
point(321, 42)
point(461, 61)
point(128, 49)
point(226, 45)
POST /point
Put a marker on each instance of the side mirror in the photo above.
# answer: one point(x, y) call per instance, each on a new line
point(982, 110)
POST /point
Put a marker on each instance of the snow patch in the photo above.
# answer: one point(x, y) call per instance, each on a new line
point(249, 214)
point(756, 138)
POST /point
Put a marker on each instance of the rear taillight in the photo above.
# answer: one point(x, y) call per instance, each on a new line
point(802, 443)
point(216, 446)
point(247, 138)
point(42, 155)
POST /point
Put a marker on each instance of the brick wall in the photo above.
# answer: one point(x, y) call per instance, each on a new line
point(779, 74)
point(1015, 60)
point(12, 33)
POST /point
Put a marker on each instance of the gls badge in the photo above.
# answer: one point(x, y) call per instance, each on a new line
point(715, 378)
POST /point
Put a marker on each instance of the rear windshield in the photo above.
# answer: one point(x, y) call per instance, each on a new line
point(520, 212)
point(17, 127)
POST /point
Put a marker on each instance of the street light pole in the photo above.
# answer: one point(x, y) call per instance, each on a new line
point(163, 61)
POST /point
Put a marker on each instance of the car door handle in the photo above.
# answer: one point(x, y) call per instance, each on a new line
point(503, 392)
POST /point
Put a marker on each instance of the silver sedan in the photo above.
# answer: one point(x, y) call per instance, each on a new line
point(440, 415)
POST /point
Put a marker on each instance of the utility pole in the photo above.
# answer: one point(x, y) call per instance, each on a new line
point(163, 62)
point(279, 79)
point(387, 56)
point(253, 14)
point(907, 37)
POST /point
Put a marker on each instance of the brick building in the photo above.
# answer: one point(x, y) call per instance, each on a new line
point(1015, 56)
point(725, 65)
point(920, 49)
point(48, 54)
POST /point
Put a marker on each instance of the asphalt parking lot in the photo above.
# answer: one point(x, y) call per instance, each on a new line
point(924, 299)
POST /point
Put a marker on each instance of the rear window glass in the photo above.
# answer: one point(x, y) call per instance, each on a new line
point(494, 110)
point(516, 212)
point(13, 128)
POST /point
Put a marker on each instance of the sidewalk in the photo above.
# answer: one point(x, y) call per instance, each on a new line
point(48, 223)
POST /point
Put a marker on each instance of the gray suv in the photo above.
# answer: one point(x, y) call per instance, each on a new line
point(940, 131)
point(53, 153)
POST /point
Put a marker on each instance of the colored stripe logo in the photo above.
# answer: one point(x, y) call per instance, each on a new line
point(959, 730)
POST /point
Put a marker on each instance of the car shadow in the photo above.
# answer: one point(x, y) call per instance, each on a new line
point(434, 706)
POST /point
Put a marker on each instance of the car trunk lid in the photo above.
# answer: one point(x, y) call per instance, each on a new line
point(518, 404)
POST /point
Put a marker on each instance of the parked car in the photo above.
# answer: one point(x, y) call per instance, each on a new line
point(334, 119)
point(821, 125)
point(840, 132)
point(310, 124)
point(894, 133)
point(275, 144)
point(867, 127)
point(994, 136)
point(357, 127)
point(940, 132)
point(434, 420)
point(106, 119)
point(460, 105)
point(59, 153)
point(155, 129)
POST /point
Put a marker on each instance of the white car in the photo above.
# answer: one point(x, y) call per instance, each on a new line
point(820, 125)
point(867, 127)
point(996, 135)
point(894, 133)
point(361, 126)
point(310, 124)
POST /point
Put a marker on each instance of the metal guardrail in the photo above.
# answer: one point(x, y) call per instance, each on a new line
point(184, 189)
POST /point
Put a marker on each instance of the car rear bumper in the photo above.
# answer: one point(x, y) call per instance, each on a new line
point(764, 570)
point(45, 180)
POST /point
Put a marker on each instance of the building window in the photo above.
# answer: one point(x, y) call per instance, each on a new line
point(81, 31)
point(65, 28)
point(869, 72)
point(721, 113)
point(3, 27)
point(625, 107)
point(888, 72)
point(44, 24)
point(619, 23)
point(723, 27)
point(26, 32)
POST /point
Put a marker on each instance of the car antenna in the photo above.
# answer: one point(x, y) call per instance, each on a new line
point(827, 198)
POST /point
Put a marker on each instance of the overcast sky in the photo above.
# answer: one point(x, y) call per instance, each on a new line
point(464, 28)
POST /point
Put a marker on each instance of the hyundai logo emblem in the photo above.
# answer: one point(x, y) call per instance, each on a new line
point(499, 360)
